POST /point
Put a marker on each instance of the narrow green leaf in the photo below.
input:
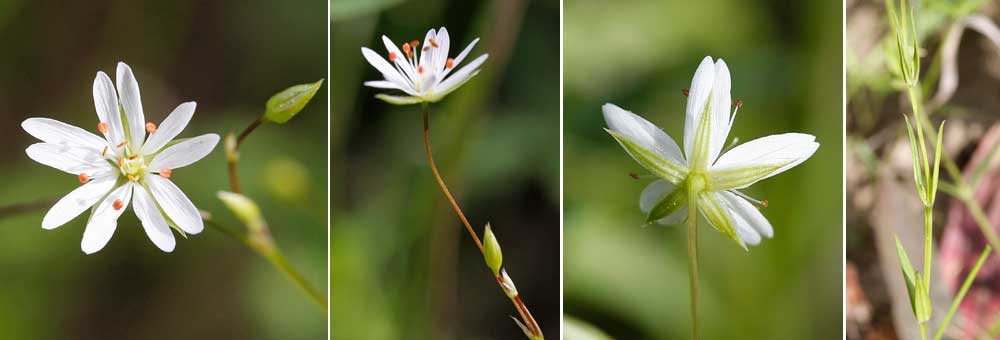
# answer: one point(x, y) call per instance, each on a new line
point(937, 164)
point(908, 275)
point(918, 176)
point(961, 292)
point(286, 104)
point(668, 205)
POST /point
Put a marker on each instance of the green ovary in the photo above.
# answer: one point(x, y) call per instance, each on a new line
point(134, 167)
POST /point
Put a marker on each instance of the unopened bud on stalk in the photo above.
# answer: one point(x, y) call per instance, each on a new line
point(491, 251)
point(232, 154)
point(245, 210)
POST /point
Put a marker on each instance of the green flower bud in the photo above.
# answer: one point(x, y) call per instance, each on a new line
point(286, 104)
point(491, 251)
point(245, 210)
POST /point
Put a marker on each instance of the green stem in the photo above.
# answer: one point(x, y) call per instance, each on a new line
point(692, 250)
point(25, 207)
point(961, 293)
point(267, 249)
point(928, 243)
point(923, 331)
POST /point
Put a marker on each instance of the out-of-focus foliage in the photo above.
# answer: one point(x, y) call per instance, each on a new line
point(632, 282)
point(230, 57)
point(402, 265)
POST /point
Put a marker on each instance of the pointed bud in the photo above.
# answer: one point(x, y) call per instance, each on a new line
point(286, 104)
point(491, 251)
point(244, 209)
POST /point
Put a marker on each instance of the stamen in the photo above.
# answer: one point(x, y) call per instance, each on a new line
point(420, 69)
point(433, 42)
point(122, 144)
point(102, 127)
point(760, 204)
point(449, 63)
point(636, 176)
point(150, 127)
point(685, 92)
point(415, 43)
point(121, 163)
point(166, 173)
point(133, 157)
point(117, 204)
point(105, 152)
point(392, 56)
point(84, 178)
point(427, 48)
point(131, 178)
point(407, 50)
point(739, 104)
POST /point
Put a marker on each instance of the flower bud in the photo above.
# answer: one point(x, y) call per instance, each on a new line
point(491, 251)
point(245, 210)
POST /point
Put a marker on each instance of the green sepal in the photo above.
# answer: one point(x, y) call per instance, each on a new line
point(918, 173)
point(667, 205)
point(736, 178)
point(937, 164)
point(286, 104)
point(662, 168)
point(717, 217)
point(915, 286)
point(399, 100)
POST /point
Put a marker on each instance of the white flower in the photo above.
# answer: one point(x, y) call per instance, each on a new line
point(715, 180)
point(421, 73)
point(122, 166)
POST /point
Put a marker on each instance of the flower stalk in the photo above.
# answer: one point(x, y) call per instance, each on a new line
point(492, 254)
point(692, 252)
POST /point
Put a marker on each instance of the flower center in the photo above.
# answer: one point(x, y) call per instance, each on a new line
point(132, 165)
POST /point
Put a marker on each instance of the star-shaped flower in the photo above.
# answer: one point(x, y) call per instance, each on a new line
point(123, 166)
point(715, 180)
point(421, 73)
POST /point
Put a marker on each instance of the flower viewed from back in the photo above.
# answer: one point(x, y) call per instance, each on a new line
point(122, 165)
point(715, 180)
point(422, 73)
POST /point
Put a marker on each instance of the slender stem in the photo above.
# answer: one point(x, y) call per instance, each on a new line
point(961, 293)
point(267, 249)
point(233, 155)
point(923, 330)
point(444, 188)
point(928, 243)
point(522, 309)
point(692, 250)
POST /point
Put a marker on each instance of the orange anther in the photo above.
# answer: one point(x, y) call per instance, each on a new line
point(763, 203)
point(406, 48)
point(102, 127)
point(392, 56)
point(685, 92)
point(433, 42)
point(420, 69)
point(739, 102)
point(84, 178)
point(150, 127)
point(165, 173)
point(122, 144)
point(415, 43)
point(117, 204)
point(133, 157)
point(105, 152)
point(121, 162)
point(132, 178)
point(449, 63)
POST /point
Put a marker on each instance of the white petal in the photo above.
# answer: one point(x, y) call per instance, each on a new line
point(77, 201)
point(653, 193)
point(106, 104)
point(170, 128)
point(748, 223)
point(104, 220)
point(390, 73)
point(431, 34)
point(441, 52)
point(643, 132)
point(70, 159)
point(400, 61)
point(385, 84)
point(784, 150)
point(128, 89)
point(175, 204)
point(461, 56)
point(56, 132)
point(701, 87)
point(720, 110)
point(399, 100)
point(449, 84)
point(184, 153)
point(152, 220)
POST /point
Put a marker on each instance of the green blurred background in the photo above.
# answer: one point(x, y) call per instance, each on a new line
point(632, 282)
point(402, 264)
point(230, 57)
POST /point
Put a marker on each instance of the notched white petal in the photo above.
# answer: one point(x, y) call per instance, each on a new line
point(106, 104)
point(701, 88)
point(175, 204)
point(643, 132)
point(131, 101)
point(153, 223)
point(761, 158)
point(104, 220)
point(77, 201)
point(184, 153)
point(171, 127)
point(55, 132)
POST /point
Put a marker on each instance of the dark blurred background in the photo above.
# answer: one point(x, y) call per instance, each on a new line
point(632, 282)
point(402, 264)
point(230, 57)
